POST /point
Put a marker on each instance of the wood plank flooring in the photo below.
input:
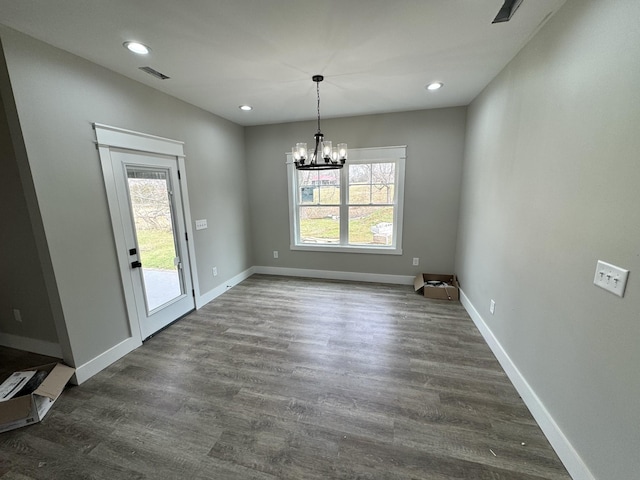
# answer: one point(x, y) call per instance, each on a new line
point(286, 378)
point(12, 360)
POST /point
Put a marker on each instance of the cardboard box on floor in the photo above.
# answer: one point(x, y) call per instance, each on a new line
point(27, 409)
point(438, 292)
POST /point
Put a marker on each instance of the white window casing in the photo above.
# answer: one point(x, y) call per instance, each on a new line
point(395, 155)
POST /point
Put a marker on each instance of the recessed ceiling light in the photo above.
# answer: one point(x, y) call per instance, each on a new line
point(434, 86)
point(136, 47)
point(246, 108)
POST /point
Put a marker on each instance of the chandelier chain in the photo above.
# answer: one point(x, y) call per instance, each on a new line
point(318, 96)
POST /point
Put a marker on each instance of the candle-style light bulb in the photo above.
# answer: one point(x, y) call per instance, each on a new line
point(342, 151)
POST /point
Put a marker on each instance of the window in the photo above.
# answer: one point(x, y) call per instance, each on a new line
point(355, 209)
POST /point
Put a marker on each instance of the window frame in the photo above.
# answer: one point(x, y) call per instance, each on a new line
point(395, 154)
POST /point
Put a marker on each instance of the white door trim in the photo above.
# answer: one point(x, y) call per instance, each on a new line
point(142, 142)
point(113, 137)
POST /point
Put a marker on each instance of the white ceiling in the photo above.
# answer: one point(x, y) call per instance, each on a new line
point(377, 55)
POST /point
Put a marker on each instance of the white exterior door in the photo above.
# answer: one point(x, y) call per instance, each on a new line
point(150, 204)
point(150, 224)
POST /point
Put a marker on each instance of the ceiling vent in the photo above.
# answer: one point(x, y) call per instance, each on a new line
point(507, 11)
point(155, 73)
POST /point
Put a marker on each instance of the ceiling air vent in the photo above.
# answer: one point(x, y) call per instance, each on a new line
point(155, 73)
point(507, 11)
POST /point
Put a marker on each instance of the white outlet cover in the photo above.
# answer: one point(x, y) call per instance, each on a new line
point(201, 224)
point(611, 278)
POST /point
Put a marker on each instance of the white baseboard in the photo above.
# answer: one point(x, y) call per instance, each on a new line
point(32, 345)
point(568, 455)
point(203, 299)
point(102, 361)
point(335, 275)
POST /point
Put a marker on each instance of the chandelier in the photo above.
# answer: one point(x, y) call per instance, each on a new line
point(324, 156)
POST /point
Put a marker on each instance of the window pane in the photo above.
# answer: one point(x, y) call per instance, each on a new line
point(372, 183)
point(360, 194)
point(360, 173)
point(382, 193)
point(383, 177)
point(360, 183)
point(370, 225)
point(307, 178)
point(319, 188)
point(329, 195)
point(317, 178)
point(320, 225)
point(383, 173)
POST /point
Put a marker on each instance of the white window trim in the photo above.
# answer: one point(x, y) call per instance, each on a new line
point(398, 154)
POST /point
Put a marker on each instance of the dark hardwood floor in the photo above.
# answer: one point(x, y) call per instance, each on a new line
point(295, 379)
point(12, 360)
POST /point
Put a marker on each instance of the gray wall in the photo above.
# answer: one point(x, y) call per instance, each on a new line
point(551, 185)
point(21, 276)
point(435, 149)
point(58, 96)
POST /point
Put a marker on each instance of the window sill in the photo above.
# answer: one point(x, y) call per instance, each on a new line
point(348, 249)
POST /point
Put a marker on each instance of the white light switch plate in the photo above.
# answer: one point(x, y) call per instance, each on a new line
point(611, 278)
point(201, 224)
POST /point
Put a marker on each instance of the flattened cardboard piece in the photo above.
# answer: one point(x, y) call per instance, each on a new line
point(15, 409)
point(55, 382)
point(28, 409)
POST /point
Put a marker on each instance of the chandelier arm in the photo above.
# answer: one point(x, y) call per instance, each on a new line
point(315, 151)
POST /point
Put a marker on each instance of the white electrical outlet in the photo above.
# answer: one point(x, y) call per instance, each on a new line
point(17, 315)
point(611, 278)
point(214, 270)
point(275, 254)
point(416, 261)
point(492, 307)
point(201, 224)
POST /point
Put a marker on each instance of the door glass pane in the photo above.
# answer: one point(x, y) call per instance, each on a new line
point(153, 220)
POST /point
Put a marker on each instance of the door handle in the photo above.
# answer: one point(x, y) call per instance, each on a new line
point(136, 264)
